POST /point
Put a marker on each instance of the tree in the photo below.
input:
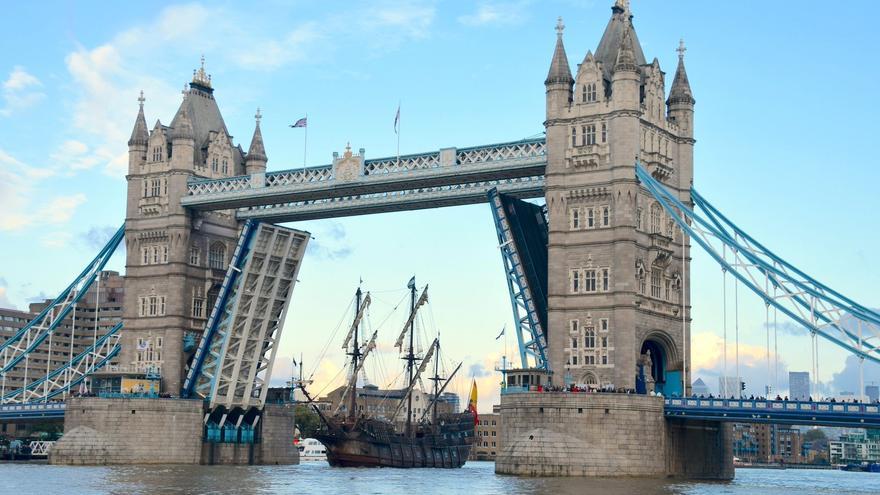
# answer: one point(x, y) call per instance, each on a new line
point(307, 420)
point(815, 434)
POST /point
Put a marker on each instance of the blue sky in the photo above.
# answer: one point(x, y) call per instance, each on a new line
point(784, 126)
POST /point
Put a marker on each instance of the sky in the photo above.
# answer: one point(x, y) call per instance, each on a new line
point(785, 127)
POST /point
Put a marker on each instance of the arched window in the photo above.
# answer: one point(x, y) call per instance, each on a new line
point(604, 132)
point(574, 136)
point(217, 256)
point(585, 93)
point(593, 92)
point(655, 218)
point(590, 338)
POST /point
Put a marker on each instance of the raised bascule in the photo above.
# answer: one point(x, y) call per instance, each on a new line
point(598, 277)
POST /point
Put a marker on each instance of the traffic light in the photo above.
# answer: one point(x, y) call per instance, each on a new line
point(742, 385)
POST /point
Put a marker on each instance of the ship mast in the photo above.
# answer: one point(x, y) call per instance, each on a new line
point(355, 354)
point(436, 379)
point(410, 357)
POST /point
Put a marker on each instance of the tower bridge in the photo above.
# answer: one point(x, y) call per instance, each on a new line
point(599, 276)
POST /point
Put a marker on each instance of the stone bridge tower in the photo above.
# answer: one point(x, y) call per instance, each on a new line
point(619, 277)
point(176, 258)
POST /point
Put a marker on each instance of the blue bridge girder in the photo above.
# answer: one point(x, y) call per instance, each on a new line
point(842, 414)
point(32, 411)
point(447, 177)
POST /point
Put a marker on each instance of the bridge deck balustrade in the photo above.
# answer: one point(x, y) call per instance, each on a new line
point(442, 178)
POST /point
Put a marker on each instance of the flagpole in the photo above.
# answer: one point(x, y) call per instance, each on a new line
point(398, 134)
point(306, 142)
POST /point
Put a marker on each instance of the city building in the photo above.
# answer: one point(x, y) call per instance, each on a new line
point(98, 311)
point(729, 386)
point(487, 443)
point(798, 385)
point(379, 403)
point(617, 287)
point(765, 443)
point(872, 392)
point(699, 387)
point(855, 447)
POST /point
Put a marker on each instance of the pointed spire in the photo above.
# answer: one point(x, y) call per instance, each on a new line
point(183, 129)
point(681, 88)
point(257, 152)
point(560, 71)
point(625, 58)
point(140, 135)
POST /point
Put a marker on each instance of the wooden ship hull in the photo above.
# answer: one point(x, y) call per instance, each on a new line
point(374, 443)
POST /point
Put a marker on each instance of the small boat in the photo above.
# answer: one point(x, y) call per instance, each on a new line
point(311, 450)
point(430, 440)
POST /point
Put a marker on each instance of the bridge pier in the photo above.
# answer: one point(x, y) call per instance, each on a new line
point(607, 435)
point(100, 431)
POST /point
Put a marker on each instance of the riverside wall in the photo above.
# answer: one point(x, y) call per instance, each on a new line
point(100, 431)
point(606, 435)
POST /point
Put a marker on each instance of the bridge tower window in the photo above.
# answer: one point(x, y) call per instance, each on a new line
point(575, 281)
point(589, 134)
point(217, 256)
point(590, 280)
point(575, 218)
point(655, 218)
point(655, 283)
point(590, 338)
point(604, 132)
point(574, 136)
point(606, 216)
point(606, 280)
point(591, 218)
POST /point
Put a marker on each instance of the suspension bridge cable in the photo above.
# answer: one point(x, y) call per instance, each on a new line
point(775, 345)
point(724, 316)
point(736, 328)
point(684, 336)
point(767, 326)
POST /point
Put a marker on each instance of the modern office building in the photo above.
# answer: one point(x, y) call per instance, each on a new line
point(798, 385)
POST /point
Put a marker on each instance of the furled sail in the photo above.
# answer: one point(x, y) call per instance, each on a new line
point(412, 316)
point(352, 382)
point(357, 320)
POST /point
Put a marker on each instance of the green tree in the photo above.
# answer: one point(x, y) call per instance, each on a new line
point(813, 435)
point(307, 420)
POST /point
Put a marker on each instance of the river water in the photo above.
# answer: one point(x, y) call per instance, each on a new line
point(475, 478)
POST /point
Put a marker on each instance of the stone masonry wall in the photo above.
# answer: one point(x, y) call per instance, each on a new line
point(276, 446)
point(562, 434)
point(130, 431)
point(607, 435)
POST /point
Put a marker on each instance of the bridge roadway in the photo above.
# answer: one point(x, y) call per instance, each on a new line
point(447, 177)
point(843, 414)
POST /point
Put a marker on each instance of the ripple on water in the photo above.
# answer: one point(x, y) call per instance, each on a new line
point(475, 478)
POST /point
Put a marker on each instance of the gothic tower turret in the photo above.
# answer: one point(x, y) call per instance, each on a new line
point(559, 81)
point(681, 100)
point(137, 144)
point(255, 161)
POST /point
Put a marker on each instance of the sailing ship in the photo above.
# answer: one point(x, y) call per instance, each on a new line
point(354, 439)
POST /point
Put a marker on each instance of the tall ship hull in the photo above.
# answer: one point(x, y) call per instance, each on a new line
point(372, 443)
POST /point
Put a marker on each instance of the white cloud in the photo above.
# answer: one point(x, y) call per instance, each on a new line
point(56, 240)
point(19, 209)
point(495, 14)
point(4, 295)
point(20, 91)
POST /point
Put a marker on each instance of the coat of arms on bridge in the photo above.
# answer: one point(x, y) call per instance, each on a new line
point(349, 167)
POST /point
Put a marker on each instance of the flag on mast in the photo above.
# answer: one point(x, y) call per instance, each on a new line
point(303, 122)
point(472, 402)
point(397, 120)
point(502, 332)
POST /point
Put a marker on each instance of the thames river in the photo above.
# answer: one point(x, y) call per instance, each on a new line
point(475, 478)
